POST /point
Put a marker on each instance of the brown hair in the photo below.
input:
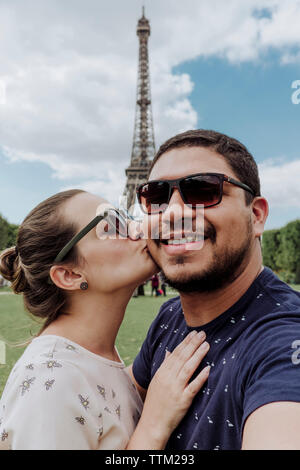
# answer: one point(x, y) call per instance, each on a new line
point(41, 236)
point(236, 154)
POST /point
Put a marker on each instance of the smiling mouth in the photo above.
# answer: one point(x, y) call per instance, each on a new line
point(182, 241)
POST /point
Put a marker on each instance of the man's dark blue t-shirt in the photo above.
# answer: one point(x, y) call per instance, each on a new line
point(254, 356)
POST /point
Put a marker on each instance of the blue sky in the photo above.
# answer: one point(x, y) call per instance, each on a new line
point(67, 120)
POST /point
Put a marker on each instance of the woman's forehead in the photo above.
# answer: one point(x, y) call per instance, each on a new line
point(83, 207)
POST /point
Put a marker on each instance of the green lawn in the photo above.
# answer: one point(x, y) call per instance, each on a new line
point(296, 287)
point(17, 326)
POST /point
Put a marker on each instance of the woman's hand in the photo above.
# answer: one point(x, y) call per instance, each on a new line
point(170, 394)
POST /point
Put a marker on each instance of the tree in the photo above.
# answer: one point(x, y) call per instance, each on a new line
point(8, 234)
point(289, 255)
point(281, 250)
point(297, 277)
point(3, 233)
point(12, 234)
point(270, 248)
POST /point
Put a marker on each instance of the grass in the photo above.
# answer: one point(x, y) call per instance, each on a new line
point(17, 326)
point(295, 286)
point(140, 313)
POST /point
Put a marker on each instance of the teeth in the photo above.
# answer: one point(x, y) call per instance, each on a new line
point(181, 241)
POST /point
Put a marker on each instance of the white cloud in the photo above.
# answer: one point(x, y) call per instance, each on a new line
point(280, 183)
point(70, 68)
point(108, 184)
point(282, 30)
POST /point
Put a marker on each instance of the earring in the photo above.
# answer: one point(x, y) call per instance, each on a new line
point(84, 286)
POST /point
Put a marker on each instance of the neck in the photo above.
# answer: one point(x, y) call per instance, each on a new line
point(92, 320)
point(201, 308)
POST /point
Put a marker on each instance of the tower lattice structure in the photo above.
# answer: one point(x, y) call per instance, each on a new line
point(143, 148)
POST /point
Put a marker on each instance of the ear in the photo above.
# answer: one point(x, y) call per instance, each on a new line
point(65, 278)
point(260, 211)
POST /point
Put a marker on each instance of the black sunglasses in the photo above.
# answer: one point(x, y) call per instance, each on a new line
point(204, 189)
point(117, 220)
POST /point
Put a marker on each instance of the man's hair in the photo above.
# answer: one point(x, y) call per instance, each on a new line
point(236, 154)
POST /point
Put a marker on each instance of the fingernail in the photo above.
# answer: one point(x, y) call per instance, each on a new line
point(205, 345)
point(206, 370)
point(201, 334)
point(193, 333)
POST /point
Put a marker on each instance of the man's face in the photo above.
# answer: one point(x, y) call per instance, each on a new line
point(228, 230)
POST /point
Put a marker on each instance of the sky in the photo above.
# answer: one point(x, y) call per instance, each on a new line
point(68, 77)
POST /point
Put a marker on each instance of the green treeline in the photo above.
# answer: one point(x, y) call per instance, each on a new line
point(8, 233)
point(281, 251)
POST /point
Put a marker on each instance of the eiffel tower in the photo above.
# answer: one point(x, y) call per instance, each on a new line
point(143, 148)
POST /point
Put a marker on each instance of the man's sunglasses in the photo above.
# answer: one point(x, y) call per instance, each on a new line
point(204, 189)
point(117, 222)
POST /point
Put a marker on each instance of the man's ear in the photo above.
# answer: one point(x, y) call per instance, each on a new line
point(65, 278)
point(260, 211)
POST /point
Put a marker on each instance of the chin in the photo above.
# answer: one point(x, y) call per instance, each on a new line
point(180, 275)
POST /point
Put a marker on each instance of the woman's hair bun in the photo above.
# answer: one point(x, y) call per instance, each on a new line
point(11, 270)
point(8, 263)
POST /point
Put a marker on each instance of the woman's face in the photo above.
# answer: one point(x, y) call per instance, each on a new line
point(109, 264)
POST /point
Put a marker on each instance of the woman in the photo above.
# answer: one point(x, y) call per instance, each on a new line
point(70, 389)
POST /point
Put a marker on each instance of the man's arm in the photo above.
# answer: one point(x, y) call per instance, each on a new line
point(275, 426)
point(142, 391)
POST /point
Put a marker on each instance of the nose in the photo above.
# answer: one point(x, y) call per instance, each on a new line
point(176, 207)
point(176, 199)
point(178, 217)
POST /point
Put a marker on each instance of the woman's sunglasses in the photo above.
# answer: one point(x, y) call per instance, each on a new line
point(117, 221)
point(205, 189)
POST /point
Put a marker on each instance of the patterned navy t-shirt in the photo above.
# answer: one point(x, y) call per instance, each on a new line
point(254, 357)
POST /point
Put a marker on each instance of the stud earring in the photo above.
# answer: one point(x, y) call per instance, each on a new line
point(84, 286)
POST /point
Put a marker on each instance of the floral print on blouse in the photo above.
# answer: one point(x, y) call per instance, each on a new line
point(60, 396)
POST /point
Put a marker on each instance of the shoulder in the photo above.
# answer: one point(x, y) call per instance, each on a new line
point(45, 366)
point(278, 292)
point(274, 309)
point(271, 333)
point(46, 383)
point(271, 344)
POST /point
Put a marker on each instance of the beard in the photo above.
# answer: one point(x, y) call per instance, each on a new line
point(223, 270)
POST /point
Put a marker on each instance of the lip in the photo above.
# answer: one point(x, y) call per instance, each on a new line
point(179, 235)
point(183, 248)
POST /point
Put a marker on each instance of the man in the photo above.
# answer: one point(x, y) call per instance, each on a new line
point(250, 317)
